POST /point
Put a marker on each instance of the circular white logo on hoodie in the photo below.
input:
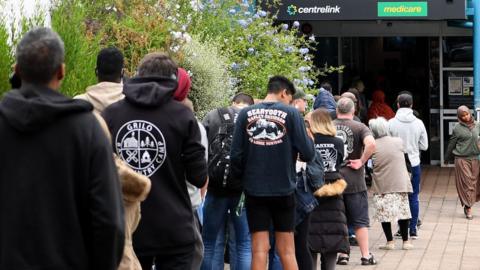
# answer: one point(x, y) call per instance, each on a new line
point(142, 146)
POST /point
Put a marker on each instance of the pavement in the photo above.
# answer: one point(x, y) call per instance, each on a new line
point(447, 240)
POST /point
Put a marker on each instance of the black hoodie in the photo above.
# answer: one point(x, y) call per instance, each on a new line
point(60, 200)
point(159, 137)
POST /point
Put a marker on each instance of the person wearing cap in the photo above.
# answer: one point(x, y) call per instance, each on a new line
point(299, 101)
point(414, 135)
point(221, 203)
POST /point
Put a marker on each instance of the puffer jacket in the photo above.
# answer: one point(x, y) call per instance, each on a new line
point(328, 222)
point(135, 188)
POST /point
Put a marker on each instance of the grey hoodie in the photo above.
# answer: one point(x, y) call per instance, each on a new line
point(412, 131)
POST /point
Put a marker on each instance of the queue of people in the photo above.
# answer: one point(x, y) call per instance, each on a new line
point(125, 177)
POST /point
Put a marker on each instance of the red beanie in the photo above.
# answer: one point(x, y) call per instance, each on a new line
point(184, 84)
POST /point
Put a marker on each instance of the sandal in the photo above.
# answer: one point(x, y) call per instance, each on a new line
point(343, 260)
point(368, 261)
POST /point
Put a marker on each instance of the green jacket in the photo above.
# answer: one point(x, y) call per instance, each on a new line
point(463, 142)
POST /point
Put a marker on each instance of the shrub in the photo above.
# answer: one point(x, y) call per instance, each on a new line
point(12, 28)
point(211, 84)
point(81, 46)
point(6, 58)
point(255, 47)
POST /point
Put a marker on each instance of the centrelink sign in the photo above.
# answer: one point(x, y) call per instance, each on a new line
point(346, 10)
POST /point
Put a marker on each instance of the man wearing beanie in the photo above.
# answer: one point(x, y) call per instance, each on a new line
point(196, 195)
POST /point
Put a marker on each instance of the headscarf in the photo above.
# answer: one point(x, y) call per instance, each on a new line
point(379, 107)
point(462, 109)
point(184, 83)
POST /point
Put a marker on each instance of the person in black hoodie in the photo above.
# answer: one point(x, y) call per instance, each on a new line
point(60, 199)
point(159, 137)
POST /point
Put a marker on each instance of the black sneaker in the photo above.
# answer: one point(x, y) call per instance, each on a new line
point(369, 261)
point(419, 223)
point(413, 235)
point(398, 235)
point(343, 260)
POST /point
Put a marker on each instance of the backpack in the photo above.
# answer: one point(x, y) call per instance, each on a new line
point(219, 171)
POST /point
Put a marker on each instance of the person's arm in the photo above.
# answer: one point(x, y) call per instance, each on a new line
point(451, 145)
point(105, 205)
point(193, 154)
point(237, 149)
point(423, 140)
point(300, 139)
point(369, 143)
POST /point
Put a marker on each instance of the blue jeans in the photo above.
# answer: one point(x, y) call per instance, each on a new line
point(413, 198)
point(217, 211)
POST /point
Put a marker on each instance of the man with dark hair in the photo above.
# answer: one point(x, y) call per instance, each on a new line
point(268, 138)
point(60, 198)
point(359, 146)
point(223, 203)
point(414, 135)
point(159, 137)
point(157, 65)
point(109, 72)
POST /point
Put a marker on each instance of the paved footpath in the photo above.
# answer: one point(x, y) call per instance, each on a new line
point(447, 240)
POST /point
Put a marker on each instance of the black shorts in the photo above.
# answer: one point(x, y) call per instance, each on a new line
point(356, 209)
point(262, 211)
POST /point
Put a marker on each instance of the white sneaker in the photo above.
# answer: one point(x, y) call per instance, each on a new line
point(407, 245)
point(390, 245)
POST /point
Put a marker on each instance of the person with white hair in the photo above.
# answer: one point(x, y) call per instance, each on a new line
point(391, 183)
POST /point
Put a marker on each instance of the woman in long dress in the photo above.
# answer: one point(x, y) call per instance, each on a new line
point(464, 147)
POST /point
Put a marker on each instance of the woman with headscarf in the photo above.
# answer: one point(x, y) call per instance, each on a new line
point(379, 108)
point(464, 147)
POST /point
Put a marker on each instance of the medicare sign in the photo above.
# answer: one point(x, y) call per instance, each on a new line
point(364, 10)
point(402, 9)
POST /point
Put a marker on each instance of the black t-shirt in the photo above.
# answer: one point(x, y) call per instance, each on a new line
point(352, 134)
point(331, 150)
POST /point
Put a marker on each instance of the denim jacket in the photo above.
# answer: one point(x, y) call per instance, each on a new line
point(308, 180)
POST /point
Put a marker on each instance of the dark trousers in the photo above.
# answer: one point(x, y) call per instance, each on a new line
point(178, 261)
point(302, 252)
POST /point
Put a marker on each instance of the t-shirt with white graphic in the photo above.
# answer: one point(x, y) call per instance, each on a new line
point(352, 134)
point(331, 150)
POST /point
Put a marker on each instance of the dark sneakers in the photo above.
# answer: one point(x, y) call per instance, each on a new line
point(343, 260)
point(368, 261)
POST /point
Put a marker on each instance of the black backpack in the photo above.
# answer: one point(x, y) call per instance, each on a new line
point(219, 171)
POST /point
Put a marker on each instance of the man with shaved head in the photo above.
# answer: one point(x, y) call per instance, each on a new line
point(359, 146)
